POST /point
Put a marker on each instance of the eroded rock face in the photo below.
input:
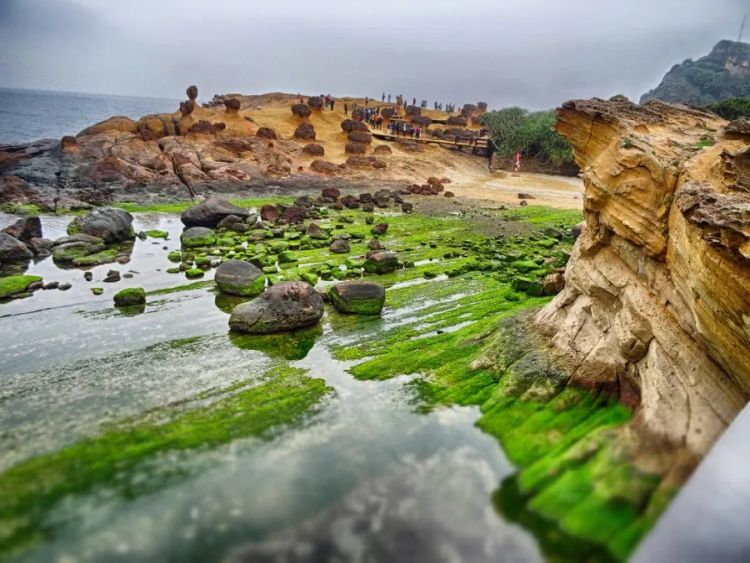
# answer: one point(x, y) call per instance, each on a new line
point(282, 307)
point(656, 304)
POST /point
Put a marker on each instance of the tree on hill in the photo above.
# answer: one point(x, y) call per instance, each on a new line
point(731, 109)
point(723, 73)
point(517, 129)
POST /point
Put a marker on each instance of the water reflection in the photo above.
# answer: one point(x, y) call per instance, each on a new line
point(290, 346)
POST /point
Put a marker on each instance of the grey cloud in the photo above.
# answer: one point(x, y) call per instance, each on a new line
point(534, 53)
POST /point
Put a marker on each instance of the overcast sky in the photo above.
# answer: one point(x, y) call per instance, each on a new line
point(533, 53)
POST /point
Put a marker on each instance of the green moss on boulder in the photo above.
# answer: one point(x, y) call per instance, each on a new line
point(130, 296)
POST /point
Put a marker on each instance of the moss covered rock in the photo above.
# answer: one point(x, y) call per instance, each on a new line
point(238, 277)
point(130, 296)
point(197, 236)
point(359, 297)
point(12, 285)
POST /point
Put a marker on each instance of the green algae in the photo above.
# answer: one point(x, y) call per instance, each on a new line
point(157, 233)
point(572, 481)
point(183, 287)
point(31, 489)
point(11, 285)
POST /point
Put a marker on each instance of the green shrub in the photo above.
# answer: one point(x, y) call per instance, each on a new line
point(517, 129)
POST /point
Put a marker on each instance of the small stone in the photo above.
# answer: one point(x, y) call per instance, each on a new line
point(64, 286)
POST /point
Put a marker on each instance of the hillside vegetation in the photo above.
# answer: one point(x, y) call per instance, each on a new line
point(723, 73)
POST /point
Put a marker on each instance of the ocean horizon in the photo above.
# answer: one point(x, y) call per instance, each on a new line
point(29, 114)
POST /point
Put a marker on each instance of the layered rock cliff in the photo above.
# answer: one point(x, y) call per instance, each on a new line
point(657, 304)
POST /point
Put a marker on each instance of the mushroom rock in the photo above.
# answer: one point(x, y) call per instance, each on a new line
point(358, 114)
point(305, 131)
point(456, 120)
point(232, 105)
point(301, 110)
point(355, 148)
point(412, 111)
point(313, 149)
point(360, 137)
point(315, 102)
point(266, 133)
point(482, 107)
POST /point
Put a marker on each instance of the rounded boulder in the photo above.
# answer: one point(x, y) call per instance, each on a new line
point(358, 297)
point(238, 277)
point(282, 307)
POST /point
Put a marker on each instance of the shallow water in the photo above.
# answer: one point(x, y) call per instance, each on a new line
point(366, 477)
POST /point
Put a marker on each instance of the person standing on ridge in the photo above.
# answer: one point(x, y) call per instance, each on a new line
point(382, 99)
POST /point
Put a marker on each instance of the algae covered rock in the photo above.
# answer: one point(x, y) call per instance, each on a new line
point(12, 285)
point(380, 262)
point(359, 297)
point(198, 236)
point(340, 246)
point(210, 212)
point(238, 277)
point(130, 296)
point(106, 223)
point(282, 307)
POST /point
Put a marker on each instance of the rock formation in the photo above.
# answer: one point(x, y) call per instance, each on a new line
point(656, 307)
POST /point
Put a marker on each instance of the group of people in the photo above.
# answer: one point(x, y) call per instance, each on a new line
point(404, 129)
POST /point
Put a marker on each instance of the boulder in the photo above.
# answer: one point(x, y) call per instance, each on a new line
point(380, 262)
point(282, 307)
point(331, 193)
point(266, 133)
point(229, 220)
point(358, 297)
point(269, 212)
point(12, 249)
point(25, 229)
point(407, 207)
point(315, 102)
point(552, 284)
point(380, 229)
point(232, 105)
point(210, 212)
point(324, 167)
point(315, 232)
point(382, 149)
point(340, 246)
point(449, 194)
point(107, 223)
point(360, 137)
point(238, 277)
point(301, 110)
point(197, 236)
point(305, 131)
point(313, 149)
point(457, 120)
point(355, 148)
point(130, 296)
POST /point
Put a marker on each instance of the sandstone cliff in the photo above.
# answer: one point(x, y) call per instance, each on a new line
point(657, 303)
